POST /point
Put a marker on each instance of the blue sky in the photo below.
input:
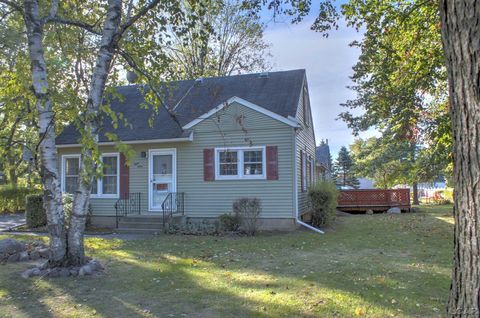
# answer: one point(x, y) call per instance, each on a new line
point(328, 62)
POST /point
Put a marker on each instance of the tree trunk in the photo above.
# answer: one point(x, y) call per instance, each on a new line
point(415, 193)
point(52, 195)
point(461, 41)
point(12, 176)
point(76, 253)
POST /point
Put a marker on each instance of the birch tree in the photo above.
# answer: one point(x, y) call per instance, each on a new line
point(105, 26)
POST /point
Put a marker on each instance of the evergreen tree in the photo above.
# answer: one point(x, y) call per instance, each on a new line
point(343, 170)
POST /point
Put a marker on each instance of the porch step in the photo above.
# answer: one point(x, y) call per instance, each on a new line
point(142, 218)
point(141, 225)
point(139, 231)
point(144, 224)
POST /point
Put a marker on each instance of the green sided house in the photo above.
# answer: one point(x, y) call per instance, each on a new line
point(230, 137)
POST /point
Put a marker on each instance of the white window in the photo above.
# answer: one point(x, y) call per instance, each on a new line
point(312, 171)
point(71, 172)
point(240, 163)
point(106, 187)
point(304, 170)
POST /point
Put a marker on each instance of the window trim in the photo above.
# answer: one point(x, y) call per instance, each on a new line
point(100, 180)
point(304, 170)
point(240, 163)
point(63, 181)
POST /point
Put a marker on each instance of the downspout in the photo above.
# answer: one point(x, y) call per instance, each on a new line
point(295, 180)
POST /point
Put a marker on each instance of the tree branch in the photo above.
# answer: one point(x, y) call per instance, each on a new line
point(88, 27)
point(134, 66)
point(12, 4)
point(123, 27)
point(53, 9)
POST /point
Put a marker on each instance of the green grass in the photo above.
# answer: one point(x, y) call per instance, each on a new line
point(370, 266)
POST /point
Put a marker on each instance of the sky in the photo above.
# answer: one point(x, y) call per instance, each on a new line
point(328, 63)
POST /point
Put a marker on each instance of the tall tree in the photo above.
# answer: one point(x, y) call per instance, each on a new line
point(343, 170)
point(88, 37)
point(389, 163)
point(458, 21)
point(461, 41)
point(234, 44)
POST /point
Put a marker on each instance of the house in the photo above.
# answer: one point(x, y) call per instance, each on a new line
point(231, 137)
point(323, 161)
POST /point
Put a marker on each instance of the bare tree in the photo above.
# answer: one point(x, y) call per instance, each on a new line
point(234, 45)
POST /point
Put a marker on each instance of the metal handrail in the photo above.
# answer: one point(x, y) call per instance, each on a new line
point(129, 203)
point(172, 204)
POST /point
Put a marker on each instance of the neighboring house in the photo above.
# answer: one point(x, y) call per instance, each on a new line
point(232, 137)
point(366, 183)
point(323, 164)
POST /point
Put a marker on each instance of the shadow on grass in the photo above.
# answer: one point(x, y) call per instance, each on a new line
point(371, 263)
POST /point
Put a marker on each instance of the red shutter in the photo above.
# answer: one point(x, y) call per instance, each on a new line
point(272, 162)
point(208, 164)
point(301, 170)
point(124, 176)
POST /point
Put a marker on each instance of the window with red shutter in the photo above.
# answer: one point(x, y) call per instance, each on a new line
point(209, 164)
point(272, 162)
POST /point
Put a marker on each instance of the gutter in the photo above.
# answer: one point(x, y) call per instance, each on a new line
point(295, 180)
point(134, 142)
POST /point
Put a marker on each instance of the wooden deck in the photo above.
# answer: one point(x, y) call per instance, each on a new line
point(374, 199)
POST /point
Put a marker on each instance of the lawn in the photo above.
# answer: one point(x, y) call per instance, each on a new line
point(367, 266)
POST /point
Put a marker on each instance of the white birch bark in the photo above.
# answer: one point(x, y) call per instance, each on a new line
point(105, 55)
point(52, 195)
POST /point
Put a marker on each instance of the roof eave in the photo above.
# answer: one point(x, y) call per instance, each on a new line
point(291, 121)
point(134, 142)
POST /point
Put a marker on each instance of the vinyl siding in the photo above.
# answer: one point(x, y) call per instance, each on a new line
point(212, 198)
point(305, 140)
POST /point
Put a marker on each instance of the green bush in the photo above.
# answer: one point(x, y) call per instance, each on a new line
point(230, 222)
point(38, 213)
point(35, 213)
point(323, 198)
point(248, 209)
point(67, 200)
point(12, 199)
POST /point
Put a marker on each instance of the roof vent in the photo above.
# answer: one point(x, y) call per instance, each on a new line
point(264, 75)
point(199, 81)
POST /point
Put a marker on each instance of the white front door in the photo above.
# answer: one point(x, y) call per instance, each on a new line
point(162, 176)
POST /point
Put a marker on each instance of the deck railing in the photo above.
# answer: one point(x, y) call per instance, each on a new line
point(375, 199)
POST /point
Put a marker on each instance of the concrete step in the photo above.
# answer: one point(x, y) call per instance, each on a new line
point(139, 231)
point(141, 225)
point(142, 218)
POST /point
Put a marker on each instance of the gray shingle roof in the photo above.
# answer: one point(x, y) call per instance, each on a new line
point(322, 155)
point(279, 93)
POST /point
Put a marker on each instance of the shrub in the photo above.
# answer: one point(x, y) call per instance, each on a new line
point(38, 216)
point(230, 222)
point(248, 209)
point(323, 198)
point(34, 212)
point(12, 199)
point(194, 227)
point(67, 200)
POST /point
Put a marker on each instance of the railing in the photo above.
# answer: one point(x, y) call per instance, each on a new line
point(129, 203)
point(173, 204)
point(374, 199)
